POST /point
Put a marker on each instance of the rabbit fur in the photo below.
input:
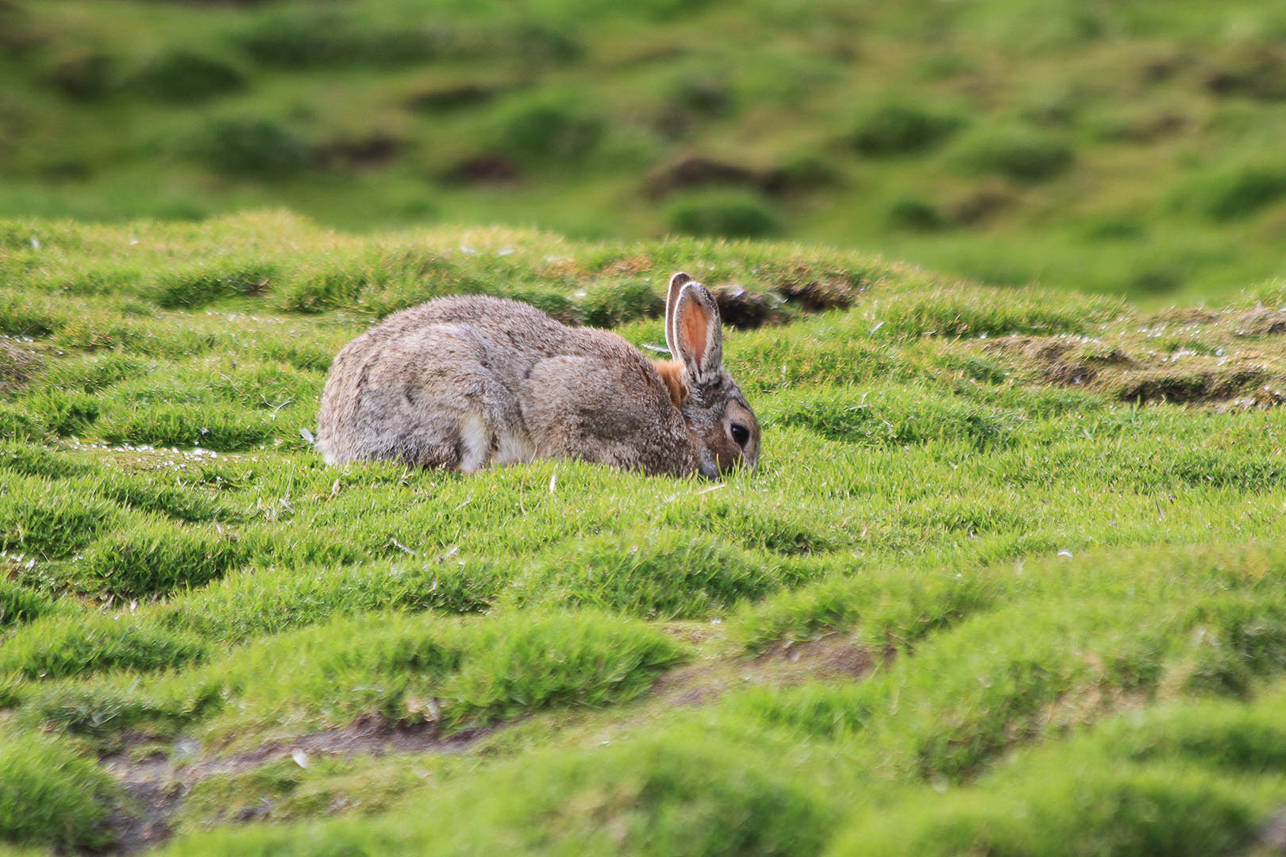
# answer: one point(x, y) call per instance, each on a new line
point(469, 381)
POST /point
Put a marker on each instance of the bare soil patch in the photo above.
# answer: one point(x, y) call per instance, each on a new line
point(836, 657)
point(17, 365)
point(158, 782)
point(1180, 356)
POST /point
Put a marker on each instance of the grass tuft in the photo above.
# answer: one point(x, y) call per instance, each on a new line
point(898, 129)
point(182, 76)
point(205, 285)
point(37, 516)
point(63, 646)
point(1021, 155)
point(19, 606)
point(154, 558)
point(53, 797)
point(722, 213)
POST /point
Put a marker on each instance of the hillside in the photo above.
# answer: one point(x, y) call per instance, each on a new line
point(1009, 579)
point(1108, 147)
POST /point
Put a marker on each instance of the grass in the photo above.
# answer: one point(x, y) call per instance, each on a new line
point(49, 794)
point(1009, 576)
point(982, 141)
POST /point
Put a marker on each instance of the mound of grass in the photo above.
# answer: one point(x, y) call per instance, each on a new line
point(915, 214)
point(412, 667)
point(28, 316)
point(37, 516)
point(269, 601)
point(1150, 811)
point(30, 460)
point(612, 305)
point(955, 312)
point(1232, 193)
point(63, 646)
point(51, 796)
point(899, 129)
point(726, 213)
point(549, 129)
point(252, 146)
point(527, 664)
point(19, 424)
point(18, 605)
point(147, 495)
point(85, 76)
point(300, 39)
point(1022, 155)
point(100, 712)
point(887, 608)
point(153, 558)
point(215, 428)
point(200, 287)
point(65, 413)
point(674, 578)
point(182, 76)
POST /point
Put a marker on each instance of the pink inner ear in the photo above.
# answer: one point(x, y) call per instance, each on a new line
point(696, 331)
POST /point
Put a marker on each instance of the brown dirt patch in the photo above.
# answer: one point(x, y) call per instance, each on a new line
point(819, 291)
point(1261, 321)
point(981, 205)
point(747, 310)
point(836, 657)
point(376, 150)
point(17, 365)
point(484, 170)
point(1180, 356)
point(1273, 835)
point(159, 781)
point(1161, 386)
point(452, 97)
point(698, 171)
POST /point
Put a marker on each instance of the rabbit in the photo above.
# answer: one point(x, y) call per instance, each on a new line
point(470, 381)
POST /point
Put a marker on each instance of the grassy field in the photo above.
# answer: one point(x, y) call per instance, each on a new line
point(1009, 580)
point(1109, 147)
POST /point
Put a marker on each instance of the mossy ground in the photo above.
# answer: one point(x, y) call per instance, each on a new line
point(1009, 578)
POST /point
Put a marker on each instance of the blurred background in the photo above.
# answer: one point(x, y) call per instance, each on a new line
point(1123, 146)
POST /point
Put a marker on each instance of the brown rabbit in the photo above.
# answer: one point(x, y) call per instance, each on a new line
point(468, 381)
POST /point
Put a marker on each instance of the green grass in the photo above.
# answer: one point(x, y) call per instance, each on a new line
point(991, 142)
point(1009, 577)
point(50, 795)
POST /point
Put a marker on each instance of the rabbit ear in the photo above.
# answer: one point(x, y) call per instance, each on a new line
point(698, 338)
point(677, 282)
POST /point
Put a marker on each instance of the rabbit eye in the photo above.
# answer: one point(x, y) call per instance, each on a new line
point(740, 434)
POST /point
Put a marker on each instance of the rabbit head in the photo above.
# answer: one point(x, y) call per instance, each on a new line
point(722, 424)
